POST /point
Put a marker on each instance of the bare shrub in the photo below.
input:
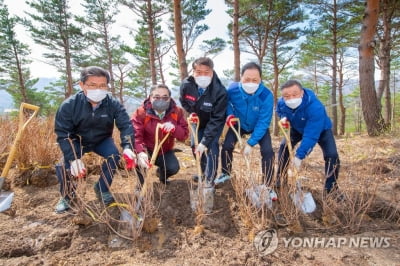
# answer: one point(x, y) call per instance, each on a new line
point(255, 211)
point(37, 153)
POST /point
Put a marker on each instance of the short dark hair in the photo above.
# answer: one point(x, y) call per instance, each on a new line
point(291, 83)
point(158, 86)
point(94, 71)
point(206, 61)
point(251, 65)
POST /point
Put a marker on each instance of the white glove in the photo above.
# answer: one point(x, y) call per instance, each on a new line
point(78, 168)
point(297, 163)
point(200, 149)
point(143, 160)
point(168, 127)
point(130, 158)
point(247, 150)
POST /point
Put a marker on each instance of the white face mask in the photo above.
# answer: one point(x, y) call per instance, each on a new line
point(96, 95)
point(203, 81)
point(250, 88)
point(293, 103)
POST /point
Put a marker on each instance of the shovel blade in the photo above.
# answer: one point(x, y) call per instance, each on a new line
point(304, 201)
point(259, 196)
point(5, 200)
point(128, 222)
point(205, 194)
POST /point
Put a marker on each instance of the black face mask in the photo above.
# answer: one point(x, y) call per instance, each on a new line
point(160, 105)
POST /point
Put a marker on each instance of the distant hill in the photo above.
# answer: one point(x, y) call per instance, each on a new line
point(6, 100)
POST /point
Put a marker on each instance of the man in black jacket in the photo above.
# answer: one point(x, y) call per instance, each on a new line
point(84, 123)
point(204, 97)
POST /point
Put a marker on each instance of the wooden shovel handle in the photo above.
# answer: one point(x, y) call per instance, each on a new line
point(289, 144)
point(158, 144)
point(195, 134)
point(239, 138)
point(21, 128)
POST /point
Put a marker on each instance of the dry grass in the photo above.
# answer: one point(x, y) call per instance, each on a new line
point(8, 130)
point(363, 198)
point(39, 147)
point(366, 198)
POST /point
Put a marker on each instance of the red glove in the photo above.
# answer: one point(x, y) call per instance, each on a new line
point(193, 118)
point(284, 122)
point(130, 158)
point(229, 121)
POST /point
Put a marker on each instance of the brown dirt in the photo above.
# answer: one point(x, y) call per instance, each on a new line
point(32, 234)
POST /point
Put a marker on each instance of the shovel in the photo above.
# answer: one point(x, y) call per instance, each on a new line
point(7, 197)
point(259, 194)
point(302, 200)
point(125, 214)
point(204, 195)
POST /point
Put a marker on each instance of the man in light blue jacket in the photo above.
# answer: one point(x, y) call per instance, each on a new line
point(309, 125)
point(251, 102)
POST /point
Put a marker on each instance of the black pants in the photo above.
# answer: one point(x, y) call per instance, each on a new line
point(168, 165)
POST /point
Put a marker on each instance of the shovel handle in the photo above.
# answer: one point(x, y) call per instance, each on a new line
point(195, 134)
point(158, 144)
point(239, 138)
point(23, 106)
point(21, 128)
point(289, 144)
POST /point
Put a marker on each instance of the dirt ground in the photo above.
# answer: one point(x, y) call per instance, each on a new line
point(33, 234)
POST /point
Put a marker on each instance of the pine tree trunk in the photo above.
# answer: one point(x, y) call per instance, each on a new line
point(152, 55)
point(235, 42)
point(370, 107)
point(334, 70)
point(179, 39)
point(385, 51)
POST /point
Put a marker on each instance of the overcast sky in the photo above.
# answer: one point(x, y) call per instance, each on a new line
point(217, 20)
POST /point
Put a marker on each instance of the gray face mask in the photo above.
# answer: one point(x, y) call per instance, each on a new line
point(160, 105)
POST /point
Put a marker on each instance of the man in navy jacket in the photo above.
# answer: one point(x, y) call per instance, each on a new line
point(204, 97)
point(84, 122)
point(309, 125)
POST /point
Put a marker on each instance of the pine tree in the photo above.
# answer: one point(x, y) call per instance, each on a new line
point(51, 25)
point(14, 62)
point(187, 26)
point(98, 20)
point(330, 35)
point(370, 106)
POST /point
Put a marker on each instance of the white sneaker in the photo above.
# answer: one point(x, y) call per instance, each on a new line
point(222, 178)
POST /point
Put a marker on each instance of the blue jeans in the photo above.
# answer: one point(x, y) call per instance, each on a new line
point(328, 145)
point(267, 154)
point(107, 150)
point(168, 165)
point(209, 159)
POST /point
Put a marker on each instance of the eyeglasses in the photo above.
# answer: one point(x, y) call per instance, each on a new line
point(164, 98)
point(97, 86)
